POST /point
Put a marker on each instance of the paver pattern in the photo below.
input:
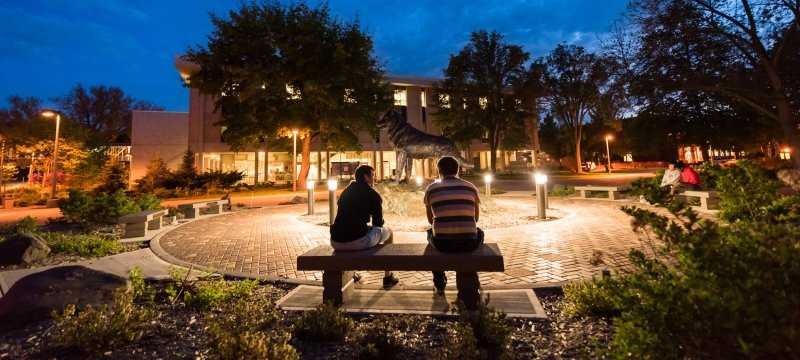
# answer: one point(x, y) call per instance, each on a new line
point(265, 243)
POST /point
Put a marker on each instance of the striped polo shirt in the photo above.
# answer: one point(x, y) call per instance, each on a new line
point(453, 203)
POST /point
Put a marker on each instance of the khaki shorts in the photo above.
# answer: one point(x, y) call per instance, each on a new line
point(375, 235)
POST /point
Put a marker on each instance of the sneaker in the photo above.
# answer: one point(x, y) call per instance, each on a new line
point(356, 277)
point(439, 282)
point(389, 281)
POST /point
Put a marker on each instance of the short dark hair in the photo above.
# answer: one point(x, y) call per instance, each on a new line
point(447, 166)
point(363, 171)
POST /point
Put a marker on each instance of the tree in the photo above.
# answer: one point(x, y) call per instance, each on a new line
point(274, 68)
point(105, 112)
point(476, 98)
point(186, 175)
point(744, 52)
point(573, 79)
point(113, 177)
point(156, 175)
point(22, 123)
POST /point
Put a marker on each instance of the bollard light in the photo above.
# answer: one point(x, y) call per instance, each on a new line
point(310, 187)
point(332, 184)
point(419, 180)
point(541, 195)
point(487, 179)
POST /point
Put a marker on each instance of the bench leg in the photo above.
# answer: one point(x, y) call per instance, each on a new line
point(468, 285)
point(583, 194)
point(337, 286)
point(213, 209)
point(191, 213)
point(613, 195)
point(154, 224)
point(133, 230)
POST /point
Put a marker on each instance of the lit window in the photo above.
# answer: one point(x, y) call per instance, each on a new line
point(400, 97)
point(786, 153)
point(423, 98)
point(348, 96)
point(444, 101)
point(483, 102)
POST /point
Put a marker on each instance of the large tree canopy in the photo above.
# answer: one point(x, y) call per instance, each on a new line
point(574, 80)
point(720, 56)
point(273, 68)
point(105, 112)
point(476, 97)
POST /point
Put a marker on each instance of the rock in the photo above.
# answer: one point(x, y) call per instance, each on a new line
point(22, 249)
point(32, 298)
point(295, 200)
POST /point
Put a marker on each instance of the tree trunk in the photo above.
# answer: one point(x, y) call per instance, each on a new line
point(305, 164)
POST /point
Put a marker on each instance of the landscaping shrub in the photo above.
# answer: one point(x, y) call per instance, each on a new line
point(218, 180)
point(99, 329)
point(382, 338)
point(247, 329)
point(104, 208)
point(86, 245)
point(715, 291)
point(113, 177)
point(27, 225)
point(141, 289)
point(480, 334)
point(325, 323)
point(567, 191)
point(27, 196)
point(205, 294)
point(590, 298)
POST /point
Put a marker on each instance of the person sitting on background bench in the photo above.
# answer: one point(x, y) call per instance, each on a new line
point(453, 210)
point(357, 204)
point(672, 177)
point(689, 178)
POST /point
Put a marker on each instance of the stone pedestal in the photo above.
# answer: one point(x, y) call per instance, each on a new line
point(337, 286)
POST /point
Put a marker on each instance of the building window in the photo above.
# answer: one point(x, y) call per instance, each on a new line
point(400, 98)
point(786, 153)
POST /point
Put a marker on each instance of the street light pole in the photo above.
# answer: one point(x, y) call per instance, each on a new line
point(2, 158)
point(608, 153)
point(294, 160)
point(53, 201)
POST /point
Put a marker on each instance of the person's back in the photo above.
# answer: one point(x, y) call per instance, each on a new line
point(690, 177)
point(453, 209)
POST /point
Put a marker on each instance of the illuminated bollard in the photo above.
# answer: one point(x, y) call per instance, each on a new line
point(419, 180)
point(332, 199)
point(488, 180)
point(310, 187)
point(541, 195)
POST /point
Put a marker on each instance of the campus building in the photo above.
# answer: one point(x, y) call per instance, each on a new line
point(168, 135)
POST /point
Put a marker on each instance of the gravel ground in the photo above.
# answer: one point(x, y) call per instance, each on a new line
point(181, 334)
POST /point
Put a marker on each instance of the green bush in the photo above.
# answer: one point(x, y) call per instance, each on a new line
point(590, 298)
point(205, 294)
point(382, 338)
point(99, 329)
point(568, 191)
point(480, 334)
point(746, 191)
point(87, 245)
point(27, 196)
point(104, 208)
point(27, 225)
point(141, 289)
point(247, 329)
point(219, 180)
point(713, 290)
point(325, 323)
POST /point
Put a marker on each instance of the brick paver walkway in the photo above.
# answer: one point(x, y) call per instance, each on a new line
point(265, 243)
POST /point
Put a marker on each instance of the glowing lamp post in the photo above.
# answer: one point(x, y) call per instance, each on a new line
point(294, 160)
point(332, 183)
point(608, 153)
point(53, 201)
point(419, 180)
point(541, 195)
point(310, 187)
point(2, 156)
point(487, 179)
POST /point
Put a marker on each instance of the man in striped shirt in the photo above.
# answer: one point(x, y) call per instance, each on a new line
point(453, 209)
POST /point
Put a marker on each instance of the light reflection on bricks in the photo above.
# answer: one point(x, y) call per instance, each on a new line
point(267, 241)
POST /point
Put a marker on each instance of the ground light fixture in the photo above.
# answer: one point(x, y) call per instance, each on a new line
point(332, 184)
point(53, 201)
point(310, 187)
point(608, 152)
point(487, 179)
point(541, 195)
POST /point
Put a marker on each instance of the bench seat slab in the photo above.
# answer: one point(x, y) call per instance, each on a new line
point(402, 257)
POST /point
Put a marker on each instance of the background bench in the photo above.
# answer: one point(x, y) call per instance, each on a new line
point(613, 191)
point(137, 224)
point(338, 266)
point(707, 198)
point(192, 211)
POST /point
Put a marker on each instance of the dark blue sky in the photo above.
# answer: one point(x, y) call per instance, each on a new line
point(47, 47)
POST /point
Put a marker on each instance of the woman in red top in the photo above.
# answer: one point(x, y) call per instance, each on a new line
point(689, 177)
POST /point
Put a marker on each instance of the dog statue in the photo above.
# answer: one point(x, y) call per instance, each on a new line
point(411, 143)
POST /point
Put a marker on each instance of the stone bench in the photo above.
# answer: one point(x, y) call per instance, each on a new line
point(338, 266)
point(137, 224)
point(192, 210)
point(613, 191)
point(707, 198)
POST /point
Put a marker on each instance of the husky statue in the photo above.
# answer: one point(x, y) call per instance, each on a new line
point(411, 143)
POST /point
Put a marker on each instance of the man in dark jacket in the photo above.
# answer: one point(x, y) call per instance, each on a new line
point(357, 204)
